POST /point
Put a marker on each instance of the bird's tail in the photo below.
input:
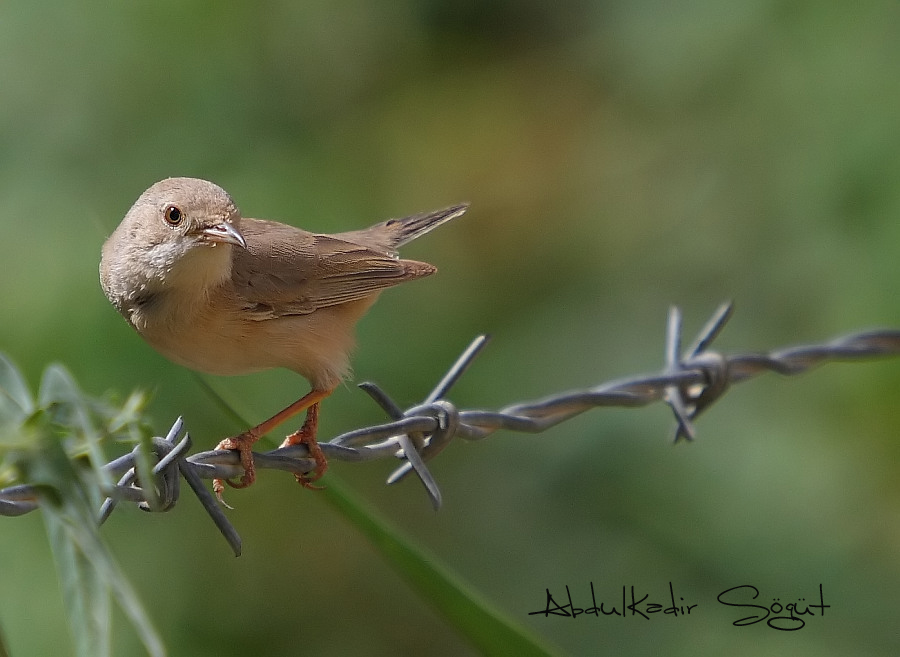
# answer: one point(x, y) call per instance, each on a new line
point(390, 235)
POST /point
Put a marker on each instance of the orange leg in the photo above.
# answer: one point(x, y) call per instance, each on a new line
point(307, 436)
point(244, 442)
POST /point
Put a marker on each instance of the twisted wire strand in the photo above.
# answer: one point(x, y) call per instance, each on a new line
point(689, 383)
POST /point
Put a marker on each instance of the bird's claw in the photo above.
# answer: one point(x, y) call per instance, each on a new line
point(243, 443)
point(307, 437)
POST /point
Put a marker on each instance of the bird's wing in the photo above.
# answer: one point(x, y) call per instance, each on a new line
point(288, 271)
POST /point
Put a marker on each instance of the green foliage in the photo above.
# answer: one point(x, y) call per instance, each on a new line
point(55, 443)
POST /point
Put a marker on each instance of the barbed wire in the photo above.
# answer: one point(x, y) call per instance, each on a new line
point(689, 383)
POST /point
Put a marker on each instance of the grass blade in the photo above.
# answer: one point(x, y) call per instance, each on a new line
point(491, 632)
point(472, 616)
point(85, 597)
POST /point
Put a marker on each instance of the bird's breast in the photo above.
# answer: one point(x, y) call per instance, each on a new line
point(215, 335)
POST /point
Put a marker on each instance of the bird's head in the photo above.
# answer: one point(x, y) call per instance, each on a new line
point(179, 234)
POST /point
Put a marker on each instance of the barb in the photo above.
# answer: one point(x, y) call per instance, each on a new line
point(689, 383)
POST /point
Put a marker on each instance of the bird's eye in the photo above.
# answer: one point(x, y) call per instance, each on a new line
point(173, 215)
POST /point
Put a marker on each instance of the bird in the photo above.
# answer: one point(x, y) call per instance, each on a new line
point(224, 294)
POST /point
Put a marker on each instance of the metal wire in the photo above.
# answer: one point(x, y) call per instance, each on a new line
point(689, 383)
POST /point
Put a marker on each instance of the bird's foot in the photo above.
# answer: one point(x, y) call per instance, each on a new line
point(243, 443)
point(307, 436)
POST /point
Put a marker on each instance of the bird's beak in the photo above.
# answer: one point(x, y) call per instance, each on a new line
point(225, 233)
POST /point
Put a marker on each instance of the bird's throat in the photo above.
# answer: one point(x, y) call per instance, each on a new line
point(180, 288)
point(202, 268)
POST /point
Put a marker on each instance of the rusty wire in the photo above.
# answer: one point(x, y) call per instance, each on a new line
point(689, 383)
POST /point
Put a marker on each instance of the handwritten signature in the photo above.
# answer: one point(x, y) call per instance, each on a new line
point(774, 613)
point(787, 616)
point(639, 606)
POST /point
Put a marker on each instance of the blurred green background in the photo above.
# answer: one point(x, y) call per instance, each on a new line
point(619, 157)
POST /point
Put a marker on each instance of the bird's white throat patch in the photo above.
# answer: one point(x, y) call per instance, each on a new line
point(198, 268)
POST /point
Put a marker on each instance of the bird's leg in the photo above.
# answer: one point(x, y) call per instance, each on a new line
point(307, 436)
point(244, 442)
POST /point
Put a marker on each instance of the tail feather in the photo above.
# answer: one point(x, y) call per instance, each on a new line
point(390, 235)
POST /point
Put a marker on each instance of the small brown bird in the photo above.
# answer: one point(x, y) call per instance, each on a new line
point(223, 294)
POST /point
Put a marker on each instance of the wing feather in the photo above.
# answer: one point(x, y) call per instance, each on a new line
point(289, 271)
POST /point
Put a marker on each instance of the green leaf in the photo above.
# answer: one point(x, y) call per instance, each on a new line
point(98, 575)
point(58, 386)
point(129, 417)
point(16, 402)
point(88, 573)
point(85, 596)
point(60, 394)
